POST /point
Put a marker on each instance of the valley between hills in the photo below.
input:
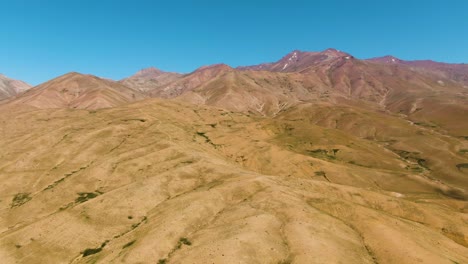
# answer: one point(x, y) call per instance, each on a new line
point(319, 157)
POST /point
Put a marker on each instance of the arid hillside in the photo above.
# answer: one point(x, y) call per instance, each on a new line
point(419, 92)
point(149, 80)
point(10, 87)
point(162, 181)
point(316, 158)
point(456, 72)
point(75, 90)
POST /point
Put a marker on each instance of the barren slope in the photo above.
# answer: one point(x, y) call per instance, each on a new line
point(417, 90)
point(150, 80)
point(191, 81)
point(10, 87)
point(456, 72)
point(75, 90)
point(166, 181)
point(423, 97)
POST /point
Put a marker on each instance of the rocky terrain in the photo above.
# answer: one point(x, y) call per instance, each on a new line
point(317, 158)
point(10, 87)
point(150, 79)
point(75, 90)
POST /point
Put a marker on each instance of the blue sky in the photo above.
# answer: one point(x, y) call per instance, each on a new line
point(42, 39)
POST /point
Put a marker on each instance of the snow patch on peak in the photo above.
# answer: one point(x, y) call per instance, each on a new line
point(293, 56)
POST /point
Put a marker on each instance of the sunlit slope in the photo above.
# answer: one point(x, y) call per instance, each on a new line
point(10, 88)
point(163, 180)
point(421, 149)
point(150, 80)
point(75, 90)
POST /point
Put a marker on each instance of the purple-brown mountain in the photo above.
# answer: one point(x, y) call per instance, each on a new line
point(10, 87)
point(150, 79)
point(455, 72)
point(82, 91)
point(318, 157)
point(425, 91)
point(298, 61)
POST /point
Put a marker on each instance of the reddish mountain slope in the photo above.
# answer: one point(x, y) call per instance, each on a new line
point(10, 87)
point(455, 72)
point(352, 162)
point(297, 61)
point(150, 79)
point(428, 98)
point(75, 90)
point(191, 81)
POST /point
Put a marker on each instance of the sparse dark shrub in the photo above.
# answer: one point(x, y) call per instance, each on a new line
point(424, 124)
point(323, 153)
point(183, 241)
point(319, 173)
point(318, 151)
point(134, 119)
point(83, 197)
point(422, 163)
point(453, 193)
point(20, 199)
point(285, 261)
point(201, 134)
point(207, 139)
point(162, 261)
point(129, 244)
point(91, 251)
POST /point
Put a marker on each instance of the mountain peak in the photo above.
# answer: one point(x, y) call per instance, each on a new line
point(77, 90)
point(149, 72)
point(79, 77)
point(389, 59)
point(214, 67)
point(10, 87)
point(293, 55)
point(297, 60)
point(334, 53)
point(331, 50)
point(70, 74)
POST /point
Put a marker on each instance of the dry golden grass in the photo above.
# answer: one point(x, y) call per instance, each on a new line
point(162, 181)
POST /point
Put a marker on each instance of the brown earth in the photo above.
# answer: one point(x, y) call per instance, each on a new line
point(317, 158)
point(150, 79)
point(75, 90)
point(10, 88)
point(162, 181)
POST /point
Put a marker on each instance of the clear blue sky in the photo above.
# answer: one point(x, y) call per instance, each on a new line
point(41, 39)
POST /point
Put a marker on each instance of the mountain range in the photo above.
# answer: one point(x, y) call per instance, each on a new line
point(318, 157)
point(10, 87)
